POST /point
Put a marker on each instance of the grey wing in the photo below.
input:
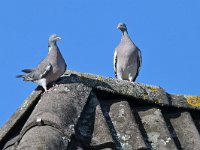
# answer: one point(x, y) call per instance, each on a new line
point(115, 63)
point(139, 60)
point(41, 70)
point(46, 71)
point(139, 63)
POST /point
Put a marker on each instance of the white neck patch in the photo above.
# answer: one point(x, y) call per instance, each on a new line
point(50, 48)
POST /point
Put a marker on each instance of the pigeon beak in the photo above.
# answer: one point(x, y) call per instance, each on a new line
point(118, 27)
point(58, 38)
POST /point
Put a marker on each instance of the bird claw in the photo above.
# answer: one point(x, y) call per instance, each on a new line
point(46, 91)
point(68, 75)
point(55, 85)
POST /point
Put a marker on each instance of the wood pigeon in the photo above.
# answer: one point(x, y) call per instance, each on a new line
point(50, 68)
point(127, 57)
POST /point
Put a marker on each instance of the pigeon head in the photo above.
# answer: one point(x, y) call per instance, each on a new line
point(122, 27)
point(54, 38)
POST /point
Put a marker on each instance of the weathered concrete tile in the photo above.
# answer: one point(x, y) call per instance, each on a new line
point(185, 129)
point(156, 128)
point(124, 125)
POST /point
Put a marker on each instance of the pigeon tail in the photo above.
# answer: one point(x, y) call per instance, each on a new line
point(27, 70)
point(20, 76)
point(25, 77)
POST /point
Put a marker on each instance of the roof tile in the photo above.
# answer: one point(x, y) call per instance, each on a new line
point(87, 111)
point(156, 128)
point(185, 129)
point(123, 124)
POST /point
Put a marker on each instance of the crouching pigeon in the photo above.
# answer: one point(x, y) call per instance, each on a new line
point(50, 68)
point(127, 57)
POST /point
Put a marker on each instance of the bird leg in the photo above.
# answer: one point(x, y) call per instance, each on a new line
point(130, 77)
point(119, 75)
point(43, 83)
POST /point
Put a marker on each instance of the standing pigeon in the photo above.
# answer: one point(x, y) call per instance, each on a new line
point(127, 57)
point(50, 68)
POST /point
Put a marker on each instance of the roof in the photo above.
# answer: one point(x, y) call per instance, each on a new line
point(85, 111)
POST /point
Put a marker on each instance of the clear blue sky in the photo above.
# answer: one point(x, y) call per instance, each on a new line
point(167, 32)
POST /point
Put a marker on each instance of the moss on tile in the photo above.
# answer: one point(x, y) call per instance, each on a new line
point(100, 78)
point(193, 100)
point(157, 101)
point(153, 89)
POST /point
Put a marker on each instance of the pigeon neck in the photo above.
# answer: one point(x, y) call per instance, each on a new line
point(52, 46)
point(125, 33)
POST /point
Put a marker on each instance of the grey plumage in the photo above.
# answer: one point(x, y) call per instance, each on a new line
point(50, 68)
point(127, 57)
